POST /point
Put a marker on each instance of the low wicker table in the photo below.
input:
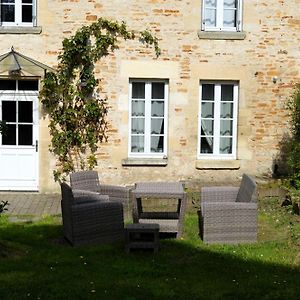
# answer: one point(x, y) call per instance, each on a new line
point(169, 222)
point(141, 236)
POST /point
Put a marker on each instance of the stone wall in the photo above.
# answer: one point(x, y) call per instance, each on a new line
point(270, 49)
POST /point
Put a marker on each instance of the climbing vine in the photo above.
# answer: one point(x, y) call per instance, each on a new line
point(70, 96)
point(3, 127)
point(291, 145)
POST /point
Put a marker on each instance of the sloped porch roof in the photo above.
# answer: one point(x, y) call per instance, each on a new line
point(15, 63)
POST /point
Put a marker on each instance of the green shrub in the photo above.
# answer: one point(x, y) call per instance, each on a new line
point(2, 206)
point(291, 146)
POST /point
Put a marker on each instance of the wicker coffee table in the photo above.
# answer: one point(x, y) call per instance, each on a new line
point(169, 222)
point(142, 236)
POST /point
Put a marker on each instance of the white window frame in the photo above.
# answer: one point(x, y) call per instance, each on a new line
point(18, 15)
point(216, 135)
point(219, 18)
point(147, 142)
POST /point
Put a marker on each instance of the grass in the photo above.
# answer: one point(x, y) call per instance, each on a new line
point(37, 264)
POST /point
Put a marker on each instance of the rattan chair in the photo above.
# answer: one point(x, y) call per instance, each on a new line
point(90, 218)
point(229, 214)
point(89, 181)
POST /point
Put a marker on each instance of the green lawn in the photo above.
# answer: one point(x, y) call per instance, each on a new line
point(35, 263)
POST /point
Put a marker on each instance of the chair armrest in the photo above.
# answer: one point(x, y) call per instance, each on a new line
point(96, 205)
point(83, 196)
point(217, 208)
point(115, 192)
point(97, 210)
point(219, 194)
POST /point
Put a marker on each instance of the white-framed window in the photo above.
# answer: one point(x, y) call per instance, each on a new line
point(221, 15)
point(148, 115)
point(18, 12)
point(218, 120)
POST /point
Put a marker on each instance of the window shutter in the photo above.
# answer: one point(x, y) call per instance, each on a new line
point(34, 12)
point(203, 16)
point(239, 15)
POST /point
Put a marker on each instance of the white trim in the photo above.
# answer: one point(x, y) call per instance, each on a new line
point(216, 135)
point(147, 130)
point(34, 13)
point(220, 17)
point(16, 182)
point(18, 14)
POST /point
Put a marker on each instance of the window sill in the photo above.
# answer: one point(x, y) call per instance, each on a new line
point(221, 35)
point(20, 30)
point(160, 162)
point(218, 164)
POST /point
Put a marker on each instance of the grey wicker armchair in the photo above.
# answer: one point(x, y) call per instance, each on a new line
point(229, 214)
point(90, 218)
point(89, 181)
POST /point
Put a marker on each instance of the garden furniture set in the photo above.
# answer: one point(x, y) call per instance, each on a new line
point(228, 214)
point(94, 213)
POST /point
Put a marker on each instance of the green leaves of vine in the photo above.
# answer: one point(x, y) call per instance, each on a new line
point(77, 115)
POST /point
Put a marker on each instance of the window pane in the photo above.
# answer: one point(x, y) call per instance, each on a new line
point(207, 127)
point(8, 13)
point(227, 92)
point(157, 144)
point(207, 109)
point(138, 126)
point(208, 92)
point(9, 111)
point(210, 3)
point(28, 85)
point(229, 3)
point(226, 110)
point(7, 84)
point(25, 135)
point(157, 108)
point(229, 19)
point(138, 90)
point(158, 90)
point(225, 145)
point(137, 144)
point(26, 1)
point(27, 13)
point(157, 126)
point(206, 145)
point(226, 127)
point(138, 108)
point(9, 138)
point(210, 17)
point(25, 111)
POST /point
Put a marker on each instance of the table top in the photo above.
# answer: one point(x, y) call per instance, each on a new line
point(159, 189)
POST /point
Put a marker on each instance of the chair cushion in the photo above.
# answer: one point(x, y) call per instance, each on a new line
point(247, 191)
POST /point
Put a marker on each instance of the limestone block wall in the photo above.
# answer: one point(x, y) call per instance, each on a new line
point(270, 48)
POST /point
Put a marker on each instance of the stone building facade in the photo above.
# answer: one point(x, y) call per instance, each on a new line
point(212, 106)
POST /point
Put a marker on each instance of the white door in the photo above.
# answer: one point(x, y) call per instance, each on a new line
point(19, 143)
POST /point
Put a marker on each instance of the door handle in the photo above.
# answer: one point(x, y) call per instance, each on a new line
point(36, 146)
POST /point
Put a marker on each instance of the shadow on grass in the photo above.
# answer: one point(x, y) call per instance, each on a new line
point(48, 268)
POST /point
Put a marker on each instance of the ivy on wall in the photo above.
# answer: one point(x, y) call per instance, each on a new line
point(77, 115)
point(3, 127)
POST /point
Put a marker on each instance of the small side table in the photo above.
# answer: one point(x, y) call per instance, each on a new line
point(142, 236)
